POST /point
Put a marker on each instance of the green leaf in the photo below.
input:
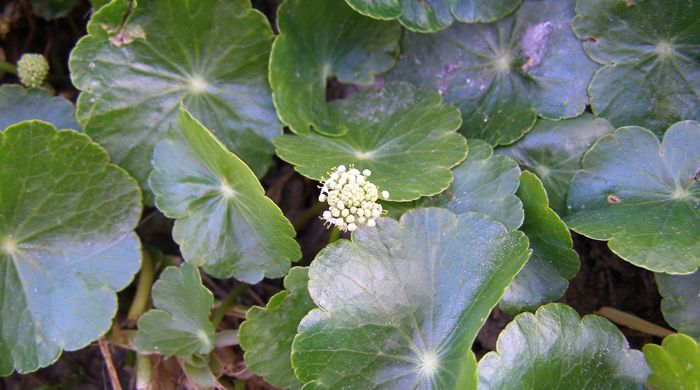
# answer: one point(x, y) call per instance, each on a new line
point(418, 15)
point(266, 335)
point(97, 4)
point(651, 75)
point(675, 364)
point(400, 305)
point(320, 39)
point(681, 301)
point(135, 69)
point(66, 243)
point(53, 9)
point(407, 137)
point(503, 74)
point(553, 262)
point(642, 197)
point(179, 325)
point(18, 104)
point(555, 349)
point(553, 150)
point(224, 221)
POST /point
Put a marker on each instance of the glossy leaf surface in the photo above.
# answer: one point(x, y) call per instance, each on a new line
point(681, 301)
point(19, 104)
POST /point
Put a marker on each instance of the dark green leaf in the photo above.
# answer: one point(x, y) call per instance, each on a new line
point(675, 364)
point(555, 349)
point(18, 104)
point(681, 301)
point(224, 221)
point(53, 9)
point(66, 243)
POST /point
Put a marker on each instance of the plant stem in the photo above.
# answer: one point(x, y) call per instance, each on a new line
point(8, 67)
point(308, 215)
point(143, 372)
point(334, 236)
point(227, 338)
point(633, 322)
point(143, 290)
point(227, 303)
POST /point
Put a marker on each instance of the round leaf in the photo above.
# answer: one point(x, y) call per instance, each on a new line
point(66, 243)
point(267, 333)
point(553, 262)
point(555, 349)
point(224, 221)
point(179, 325)
point(400, 305)
point(320, 39)
point(652, 58)
point(435, 15)
point(136, 66)
point(18, 104)
point(675, 364)
point(642, 197)
point(681, 301)
point(53, 9)
point(553, 150)
point(502, 74)
point(407, 137)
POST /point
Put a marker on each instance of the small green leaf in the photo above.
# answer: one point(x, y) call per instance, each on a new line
point(553, 262)
point(18, 104)
point(53, 9)
point(66, 243)
point(224, 221)
point(400, 305)
point(503, 74)
point(320, 39)
point(675, 364)
point(642, 197)
point(267, 333)
point(179, 325)
point(553, 150)
point(555, 349)
point(407, 137)
point(681, 301)
point(97, 4)
point(138, 64)
point(651, 75)
point(418, 15)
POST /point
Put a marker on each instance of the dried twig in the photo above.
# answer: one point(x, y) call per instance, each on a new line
point(107, 356)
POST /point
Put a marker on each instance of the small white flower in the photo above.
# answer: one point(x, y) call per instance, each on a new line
point(352, 199)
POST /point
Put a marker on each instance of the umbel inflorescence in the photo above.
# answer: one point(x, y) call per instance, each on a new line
point(352, 199)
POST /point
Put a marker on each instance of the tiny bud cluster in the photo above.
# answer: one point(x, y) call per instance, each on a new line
point(352, 199)
point(32, 70)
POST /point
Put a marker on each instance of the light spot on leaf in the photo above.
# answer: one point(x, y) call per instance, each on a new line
point(502, 63)
point(664, 49)
point(535, 43)
point(226, 191)
point(198, 84)
point(429, 364)
point(9, 246)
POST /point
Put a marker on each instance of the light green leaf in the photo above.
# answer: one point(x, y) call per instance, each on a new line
point(553, 262)
point(553, 150)
point(675, 364)
point(179, 325)
point(224, 221)
point(435, 15)
point(18, 104)
point(407, 137)
point(400, 305)
point(555, 349)
point(66, 243)
point(135, 69)
point(320, 39)
point(642, 197)
point(681, 301)
point(97, 4)
point(503, 74)
point(267, 333)
point(53, 9)
point(652, 58)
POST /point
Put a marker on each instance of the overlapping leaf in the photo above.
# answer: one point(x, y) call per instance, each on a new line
point(642, 197)
point(400, 305)
point(652, 58)
point(267, 333)
point(53, 9)
point(681, 301)
point(407, 137)
point(436, 15)
point(675, 364)
point(224, 221)
point(137, 65)
point(318, 40)
point(553, 262)
point(555, 349)
point(553, 150)
point(503, 74)
point(18, 104)
point(66, 243)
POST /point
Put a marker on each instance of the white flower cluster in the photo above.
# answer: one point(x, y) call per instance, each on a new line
point(352, 199)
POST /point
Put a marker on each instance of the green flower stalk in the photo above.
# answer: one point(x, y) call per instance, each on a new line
point(32, 70)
